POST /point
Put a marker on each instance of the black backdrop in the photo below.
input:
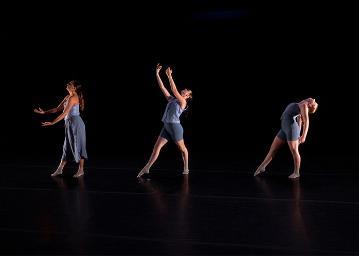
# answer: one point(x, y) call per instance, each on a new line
point(244, 61)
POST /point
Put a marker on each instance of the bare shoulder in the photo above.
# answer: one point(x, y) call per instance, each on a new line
point(66, 98)
point(169, 98)
point(302, 104)
point(73, 98)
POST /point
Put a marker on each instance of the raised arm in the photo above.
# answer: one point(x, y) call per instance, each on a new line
point(160, 83)
point(52, 110)
point(305, 121)
point(174, 90)
point(71, 102)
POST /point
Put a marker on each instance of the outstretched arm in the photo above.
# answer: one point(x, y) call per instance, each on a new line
point(305, 120)
point(71, 102)
point(160, 83)
point(52, 110)
point(174, 90)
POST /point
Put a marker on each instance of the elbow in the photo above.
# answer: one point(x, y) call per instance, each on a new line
point(174, 89)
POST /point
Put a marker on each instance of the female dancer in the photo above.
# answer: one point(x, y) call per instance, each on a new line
point(172, 128)
point(75, 134)
point(291, 121)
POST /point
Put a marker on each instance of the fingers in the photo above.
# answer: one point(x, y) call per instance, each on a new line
point(39, 111)
point(45, 123)
point(168, 71)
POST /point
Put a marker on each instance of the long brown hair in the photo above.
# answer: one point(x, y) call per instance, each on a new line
point(79, 91)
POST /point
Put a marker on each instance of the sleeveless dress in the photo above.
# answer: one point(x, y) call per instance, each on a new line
point(74, 147)
point(172, 128)
point(290, 130)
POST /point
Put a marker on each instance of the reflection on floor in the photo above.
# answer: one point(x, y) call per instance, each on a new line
point(109, 211)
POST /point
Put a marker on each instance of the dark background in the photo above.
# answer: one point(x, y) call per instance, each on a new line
point(244, 60)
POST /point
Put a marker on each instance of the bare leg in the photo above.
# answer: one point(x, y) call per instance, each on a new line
point(276, 144)
point(59, 168)
point(184, 152)
point(155, 153)
point(80, 171)
point(293, 146)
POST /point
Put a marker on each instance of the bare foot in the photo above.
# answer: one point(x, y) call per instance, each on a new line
point(185, 172)
point(294, 175)
point(79, 174)
point(259, 171)
point(143, 171)
point(56, 173)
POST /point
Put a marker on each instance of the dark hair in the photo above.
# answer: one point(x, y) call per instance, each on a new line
point(79, 91)
point(189, 103)
point(188, 107)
